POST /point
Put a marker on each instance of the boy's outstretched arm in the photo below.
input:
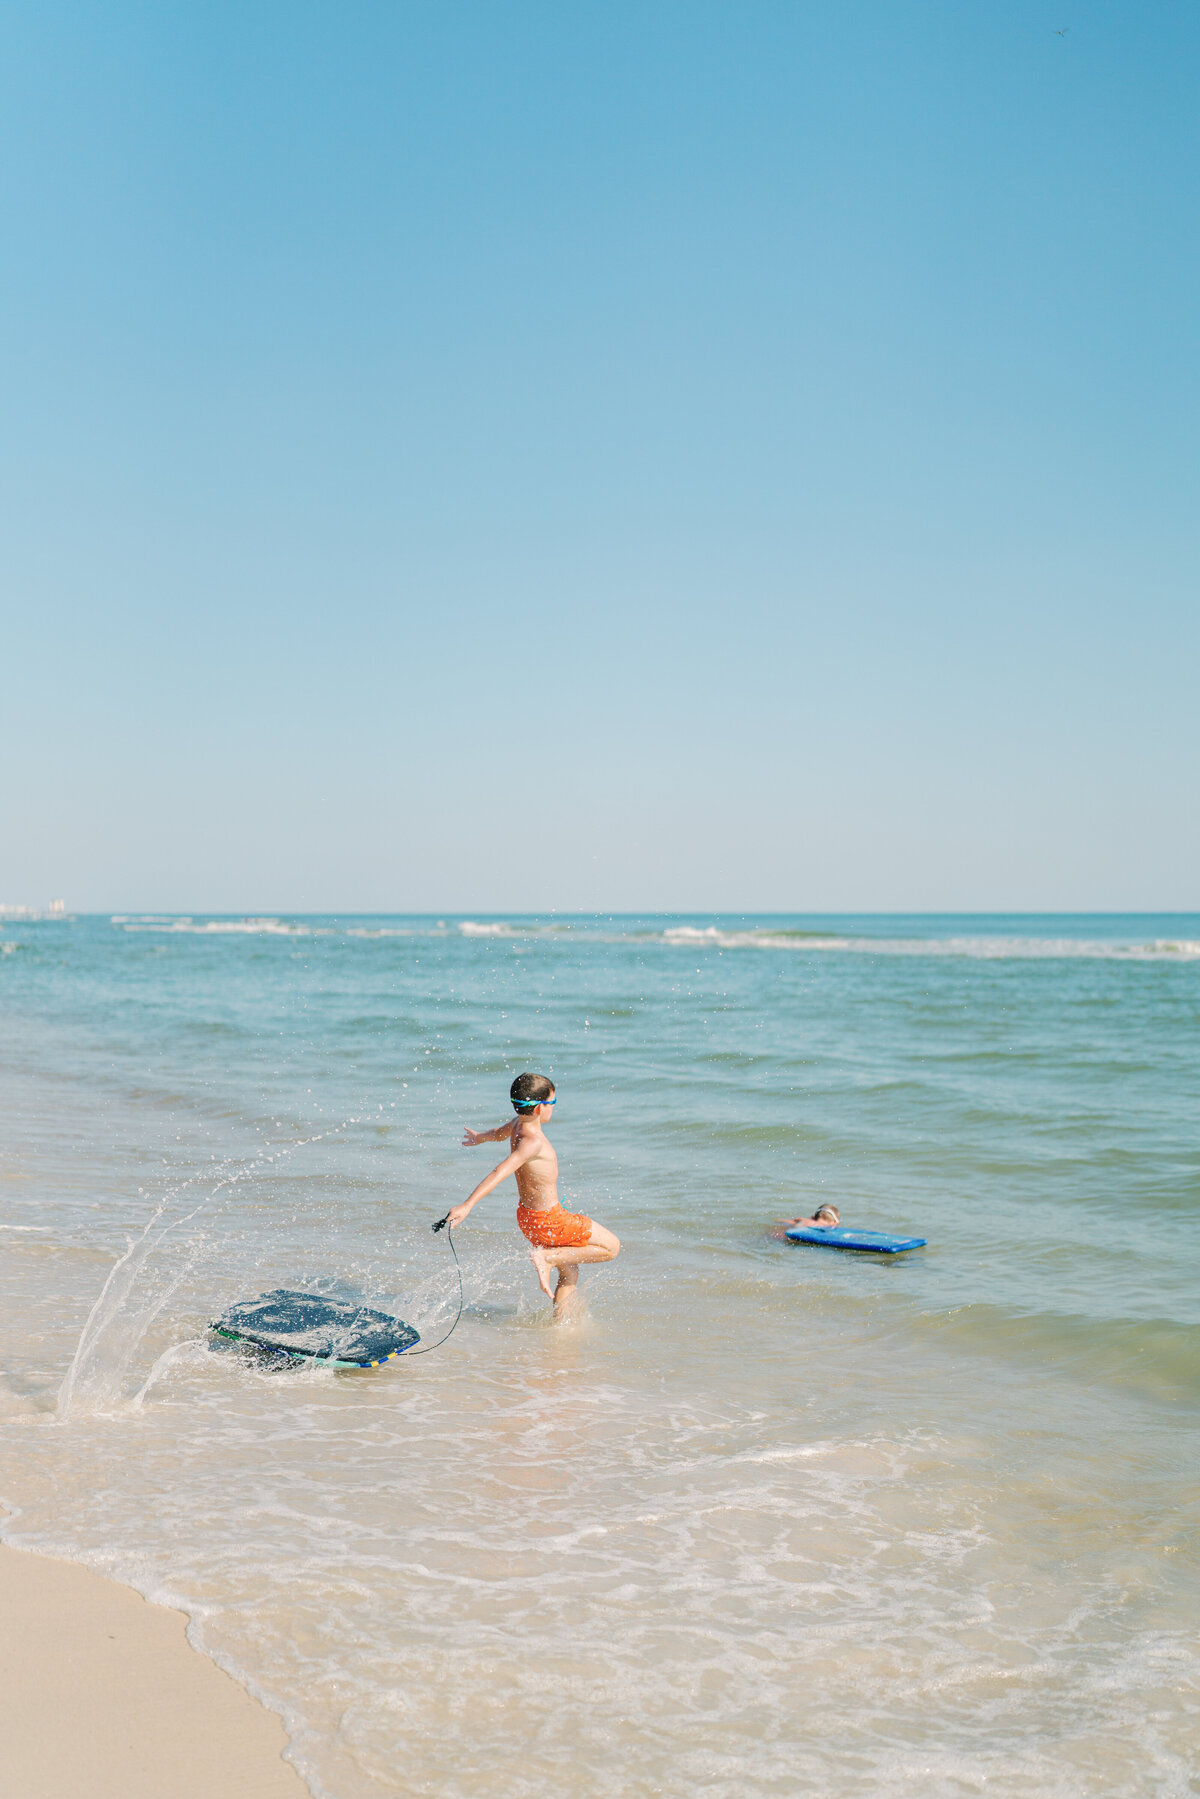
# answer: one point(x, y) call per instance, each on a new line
point(501, 1172)
point(471, 1138)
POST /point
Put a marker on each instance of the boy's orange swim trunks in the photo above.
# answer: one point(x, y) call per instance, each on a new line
point(555, 1229)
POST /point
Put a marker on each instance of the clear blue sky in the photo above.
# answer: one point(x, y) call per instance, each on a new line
point(599, 455)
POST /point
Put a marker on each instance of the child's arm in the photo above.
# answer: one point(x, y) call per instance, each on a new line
point(471, 1138)
point(501, 1172)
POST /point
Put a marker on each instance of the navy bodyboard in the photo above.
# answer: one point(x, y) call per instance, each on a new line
point(878, 1241)
point(311, 1327)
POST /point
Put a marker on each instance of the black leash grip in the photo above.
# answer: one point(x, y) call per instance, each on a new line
point(441, 1223)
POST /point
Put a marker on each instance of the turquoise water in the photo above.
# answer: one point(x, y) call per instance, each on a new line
point(767, 1519)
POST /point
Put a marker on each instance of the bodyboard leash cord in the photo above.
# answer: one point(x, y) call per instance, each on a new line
point(440, 1225)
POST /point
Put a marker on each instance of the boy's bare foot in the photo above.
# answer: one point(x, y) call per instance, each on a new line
point(541, 1267)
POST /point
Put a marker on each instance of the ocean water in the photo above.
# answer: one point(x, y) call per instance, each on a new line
point(765, 1520)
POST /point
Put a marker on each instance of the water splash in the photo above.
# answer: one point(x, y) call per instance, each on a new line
point(116, 1325)
point(114, 1328)
point(188, 1350)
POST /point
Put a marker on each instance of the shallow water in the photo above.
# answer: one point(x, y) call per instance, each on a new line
point(767, 1519)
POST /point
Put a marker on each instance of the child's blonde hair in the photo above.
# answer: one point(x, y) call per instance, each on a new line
point(828, 1212)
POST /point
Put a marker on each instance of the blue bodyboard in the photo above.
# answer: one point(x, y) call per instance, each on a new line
point(878, 1241)
point(310, 1327)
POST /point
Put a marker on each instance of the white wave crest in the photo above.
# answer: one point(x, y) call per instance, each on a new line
point(228, 927)
point(691, 936)
point(992, 949)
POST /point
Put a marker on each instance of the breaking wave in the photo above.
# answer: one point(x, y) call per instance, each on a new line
point(225, 927)
point(993, 949)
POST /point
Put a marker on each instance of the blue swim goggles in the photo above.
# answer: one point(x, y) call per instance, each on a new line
point(527, 1105)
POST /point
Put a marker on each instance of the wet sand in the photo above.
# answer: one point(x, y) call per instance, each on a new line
point(102, 1695)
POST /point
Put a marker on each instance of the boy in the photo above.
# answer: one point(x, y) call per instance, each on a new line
point(557, 1239)
point(825, 1218)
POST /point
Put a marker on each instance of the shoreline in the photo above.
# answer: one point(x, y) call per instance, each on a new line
point(101, 1693)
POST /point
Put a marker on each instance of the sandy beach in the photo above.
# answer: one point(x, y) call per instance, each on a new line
point(102, 1696)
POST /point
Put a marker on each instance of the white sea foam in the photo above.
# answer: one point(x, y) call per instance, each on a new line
point(978, 948)
point(992, 949)
point(228, 927)
point(468, 928)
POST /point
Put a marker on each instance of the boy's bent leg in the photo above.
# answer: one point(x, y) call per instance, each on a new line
point(601, 1246)
point(604, 1239)
point(544, 1260)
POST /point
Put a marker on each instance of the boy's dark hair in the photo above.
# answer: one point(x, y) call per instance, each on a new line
point(529, 1090)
